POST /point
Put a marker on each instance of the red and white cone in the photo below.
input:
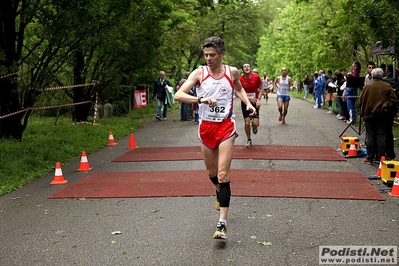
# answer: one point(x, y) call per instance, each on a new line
point(84, 163)
point(395, 187)
point(111, 141)
point(58, 176)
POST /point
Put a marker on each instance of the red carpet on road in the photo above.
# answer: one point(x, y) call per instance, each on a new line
point(257, 152)
point(245, 183)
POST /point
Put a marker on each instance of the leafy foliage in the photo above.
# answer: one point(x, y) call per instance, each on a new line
point(123, 42)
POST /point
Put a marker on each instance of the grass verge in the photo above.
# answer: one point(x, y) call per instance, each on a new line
point(48, 140)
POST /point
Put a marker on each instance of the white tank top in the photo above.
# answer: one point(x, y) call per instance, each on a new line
point(222, 90)
point(283, 86)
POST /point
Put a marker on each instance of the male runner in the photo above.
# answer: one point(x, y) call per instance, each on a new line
point(253, 87)
point(282, 85)
point(216, 130)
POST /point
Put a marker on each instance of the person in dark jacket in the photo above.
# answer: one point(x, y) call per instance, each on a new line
point(377, 99)
point(160, 95)
point(389, 139)
point(306, 86)
point(343, 108)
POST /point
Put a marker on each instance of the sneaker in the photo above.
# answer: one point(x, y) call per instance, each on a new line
point(249, 144)
point(158, 118)
point(255, 129)
point(329, 112)
point(280, 118)
point(164, 119)
point(221, 231)
point(216, 202)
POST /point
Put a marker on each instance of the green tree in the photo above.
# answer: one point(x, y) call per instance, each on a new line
point(73, 42)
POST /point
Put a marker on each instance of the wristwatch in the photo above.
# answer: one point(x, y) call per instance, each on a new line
point(199, 100)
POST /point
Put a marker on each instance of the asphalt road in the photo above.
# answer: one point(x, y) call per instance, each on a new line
point(35, 230)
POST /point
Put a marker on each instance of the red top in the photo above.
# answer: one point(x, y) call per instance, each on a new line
point(251, 85)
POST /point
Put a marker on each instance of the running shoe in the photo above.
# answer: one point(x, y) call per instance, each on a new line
point(217, 204)
point(158, 118)
point(254, 129)
point(249, 144)
point(221, 231)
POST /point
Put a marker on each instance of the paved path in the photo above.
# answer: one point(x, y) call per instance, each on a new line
point(178, 231)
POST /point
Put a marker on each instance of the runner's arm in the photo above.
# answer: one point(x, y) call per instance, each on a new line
point(182, 95)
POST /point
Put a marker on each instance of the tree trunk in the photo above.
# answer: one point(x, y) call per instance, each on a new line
point(80, 111)
point(10, 126)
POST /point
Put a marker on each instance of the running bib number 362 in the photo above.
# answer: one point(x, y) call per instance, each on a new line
point(217, 109)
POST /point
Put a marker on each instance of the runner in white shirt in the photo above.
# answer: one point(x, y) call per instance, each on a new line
point(267, 85)
point(217, 129)
point(282, 85)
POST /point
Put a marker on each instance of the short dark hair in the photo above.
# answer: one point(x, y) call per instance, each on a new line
point(370, 63)
point(214, 42)
point(242, 67)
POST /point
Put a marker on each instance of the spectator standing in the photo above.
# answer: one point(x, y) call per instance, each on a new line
point(377, 98)
point(331, 89)
point(351, 93)
point(318, 90)
point(185, 108)
point(369, 67)
point(160, 87)
point(391, 115)
point(322, 81)
point(311, 86)
point(343, 109)
point(306, 86)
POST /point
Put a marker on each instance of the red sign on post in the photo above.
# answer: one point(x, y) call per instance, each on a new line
point(140, 98)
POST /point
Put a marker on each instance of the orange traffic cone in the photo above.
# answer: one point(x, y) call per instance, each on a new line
point(352, 149)
point(111, 141)
point(58, 177)
point(378, 175)
point(84, 163)
point(380, 166)
point(395, 187)
point(132, 142)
